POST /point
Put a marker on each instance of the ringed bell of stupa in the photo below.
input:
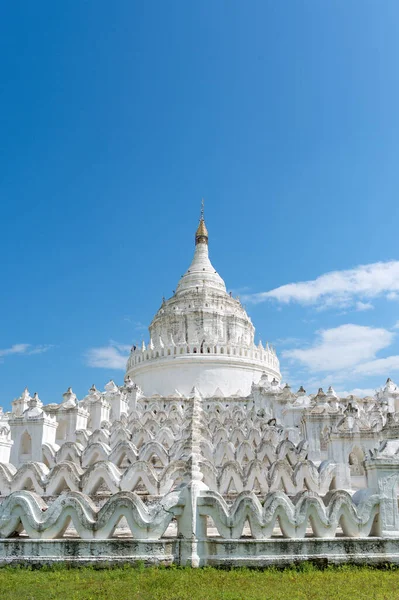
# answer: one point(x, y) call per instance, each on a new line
point(201, 337)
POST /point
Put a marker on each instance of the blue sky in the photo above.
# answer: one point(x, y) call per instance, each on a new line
point(117, 118)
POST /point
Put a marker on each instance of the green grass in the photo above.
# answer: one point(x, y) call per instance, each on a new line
point(138, 583)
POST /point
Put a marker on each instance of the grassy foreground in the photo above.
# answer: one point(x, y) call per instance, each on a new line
point(137, 583)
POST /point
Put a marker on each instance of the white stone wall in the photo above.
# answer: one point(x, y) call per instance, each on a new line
point(201, 442)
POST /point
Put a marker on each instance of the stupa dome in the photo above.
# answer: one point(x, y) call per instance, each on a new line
point(201, 337)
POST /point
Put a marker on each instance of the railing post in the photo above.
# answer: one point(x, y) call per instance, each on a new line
point(191, 525)
point(382, 468)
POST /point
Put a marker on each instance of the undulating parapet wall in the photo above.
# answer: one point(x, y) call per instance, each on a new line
point(26, 511)
point(200, 480)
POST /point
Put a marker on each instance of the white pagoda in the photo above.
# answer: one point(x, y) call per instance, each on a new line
point(201, 337)
point(201, 456)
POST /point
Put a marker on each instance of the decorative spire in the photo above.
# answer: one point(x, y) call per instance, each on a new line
point(25, 395)
point(201, 235)
point(69, 398)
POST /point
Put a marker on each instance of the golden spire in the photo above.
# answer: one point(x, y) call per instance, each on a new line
point(201, 235)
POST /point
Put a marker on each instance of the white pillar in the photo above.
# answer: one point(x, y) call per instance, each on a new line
point(383, 478)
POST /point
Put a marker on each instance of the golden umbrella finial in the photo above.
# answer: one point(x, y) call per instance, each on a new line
point(201, 235)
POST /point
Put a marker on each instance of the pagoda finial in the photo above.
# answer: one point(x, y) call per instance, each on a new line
point(201, 235)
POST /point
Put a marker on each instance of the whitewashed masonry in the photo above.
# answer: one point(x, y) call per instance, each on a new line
point(202, 455)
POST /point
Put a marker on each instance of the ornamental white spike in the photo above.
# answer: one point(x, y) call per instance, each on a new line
point(195, 393)
point(331, 392)
point(25, 394)
point(111, 386)
point(35, 400)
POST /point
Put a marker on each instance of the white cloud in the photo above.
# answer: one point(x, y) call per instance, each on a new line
point(113, 356)
point(26, 349)
point(137, 325)
point(379, 366)
point(15, 349)
point(39, 349)
point(396, 326)
point(338, 288)
point(341, 348)
point(363, 306)
point(123, 348)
